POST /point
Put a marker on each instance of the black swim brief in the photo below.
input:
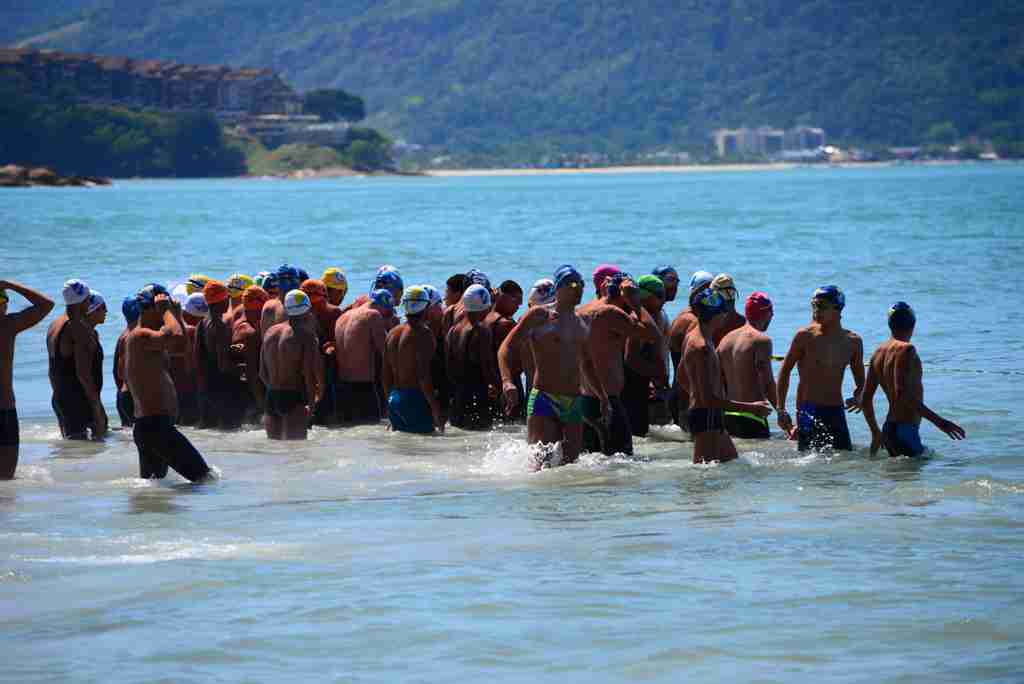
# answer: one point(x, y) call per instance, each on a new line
point(705, 420)
point(745, 425)
point(612, 437)
point(74, 414)
point(161, 445)
point(280, 403)
point(822, 427)
point(126, 408)
point(9, 435)
point(358, 402)
point(636, 397)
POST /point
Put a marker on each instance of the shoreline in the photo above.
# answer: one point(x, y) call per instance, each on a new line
point(676, 168)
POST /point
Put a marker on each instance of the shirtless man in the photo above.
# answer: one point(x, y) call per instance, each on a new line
point(615, 319)
point(471, 363)
point(681, 327)
point(456, 312)
point(246, 345)
point(359, 337)
point(185, 369)
point(289, 368)
point(285, 279)
point(896, 366)
point(645, 371)
point(72, 347)
point(407, 377)
point(660, 411)
point(125, 402)
point(500, 321)
point(326, 314)
point(600, 275)
point(454, 287)
point(555, 338)
point(821, 353)
point(337, 286)
point(434, 320)
point(226, 395)
point(746, 358)
point(160, 331)
point(723, 285)
point(708, 399)
point(670, 278)
point(10, 326)
point(520, 358)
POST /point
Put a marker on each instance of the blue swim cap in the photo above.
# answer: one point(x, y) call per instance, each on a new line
point(830, 293)
point(270, 282)
point(901, 316)
point(707, 304)
point(303, 275)
point(146, 297)
point(388, 280)
point(288, 277)
point(566, 274)
point(130, 309)
point(381, 297)
point(613, 284)
point(477, 277)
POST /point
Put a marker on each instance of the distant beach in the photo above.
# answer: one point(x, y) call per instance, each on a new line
point(687, 168)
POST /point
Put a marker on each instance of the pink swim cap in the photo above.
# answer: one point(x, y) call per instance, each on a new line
point(602, 273)
point(758, 307)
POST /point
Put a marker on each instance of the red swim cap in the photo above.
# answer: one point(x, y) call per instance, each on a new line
point(758, 307)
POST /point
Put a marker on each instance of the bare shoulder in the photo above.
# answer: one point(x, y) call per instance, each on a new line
point(854, 337)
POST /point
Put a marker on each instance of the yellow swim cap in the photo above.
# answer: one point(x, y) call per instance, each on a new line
point(196, 282)
point(239, 283)
point(334, 278)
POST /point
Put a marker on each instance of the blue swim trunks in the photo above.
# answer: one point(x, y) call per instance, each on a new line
point(902, 439)
point(822, 427)
point(409, 411)
point(567, 410)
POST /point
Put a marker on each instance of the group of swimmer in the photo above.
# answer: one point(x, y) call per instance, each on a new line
point(281, 350)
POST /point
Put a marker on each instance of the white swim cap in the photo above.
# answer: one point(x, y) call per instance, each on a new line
point(700, 279)
point(75, 292)
point(296, 303)
point(196, 305)
point(542, 292)
point(180, 294)
point(476, 298)
point(96, 301)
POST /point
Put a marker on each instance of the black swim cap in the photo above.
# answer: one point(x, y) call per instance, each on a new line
point(901, 317)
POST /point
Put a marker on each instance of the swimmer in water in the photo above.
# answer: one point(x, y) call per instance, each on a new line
point(681, 327)
point(185, 369)
point(359, 337)
point(289, 368)
point(72, 347)
point(337, 285)
point(501, 319)
point(407, 376)
point(472, 366)
point(644, 365)
point(708, 400)
point(125, 403)
point(11, 325)
point(226, 396)
point(746, 358)
point(245, 349)
point(160, 444)
point(896, 366)
point(326, 315)
point(821, 352)
point(615, 319)
point(283, 281)
point(556, 340)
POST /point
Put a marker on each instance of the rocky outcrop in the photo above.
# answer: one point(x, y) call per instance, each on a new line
point(14, 176)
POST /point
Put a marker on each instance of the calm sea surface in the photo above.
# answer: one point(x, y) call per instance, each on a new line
point(362, 555)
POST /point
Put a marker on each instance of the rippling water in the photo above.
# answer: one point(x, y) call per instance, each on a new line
point(367, 556)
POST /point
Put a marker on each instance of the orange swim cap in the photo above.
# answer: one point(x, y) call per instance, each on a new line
point(215, 292)
point(254, 297)
point(314, 288)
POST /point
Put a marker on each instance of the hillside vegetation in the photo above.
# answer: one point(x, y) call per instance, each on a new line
point(475, 75)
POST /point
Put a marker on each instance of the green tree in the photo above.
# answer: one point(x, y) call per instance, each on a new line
point(334, 105)
point(944, 133)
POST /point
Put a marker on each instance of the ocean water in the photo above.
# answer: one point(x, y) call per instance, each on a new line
point(362, 555)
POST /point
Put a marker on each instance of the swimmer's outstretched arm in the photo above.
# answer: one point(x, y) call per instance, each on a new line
point(793, 356)
point(909, 362)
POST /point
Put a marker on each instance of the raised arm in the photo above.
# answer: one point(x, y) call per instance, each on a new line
point(41, 306)
point(907, 363)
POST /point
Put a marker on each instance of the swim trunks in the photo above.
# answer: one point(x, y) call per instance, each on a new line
point(613, 437)
point(325, 412)
point(822, 427)
point(161, 445)
point(567, 410)
point(409, 411)
point(705, 420)
point(636, 396)
point(902, 439)
point(746, 425)
point(281, 402)
point(126, 408)
point(358, 402)
point(9, 435)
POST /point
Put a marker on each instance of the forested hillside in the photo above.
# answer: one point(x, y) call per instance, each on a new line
point(471, 75)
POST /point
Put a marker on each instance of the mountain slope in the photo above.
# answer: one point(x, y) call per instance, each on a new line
point(586, 74)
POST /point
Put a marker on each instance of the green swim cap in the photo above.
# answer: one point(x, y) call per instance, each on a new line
point(3, 296)
point(651, 285)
